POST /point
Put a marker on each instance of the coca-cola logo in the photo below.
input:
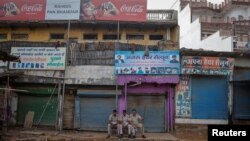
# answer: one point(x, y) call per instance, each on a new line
point(32, 8)
point(132, 9)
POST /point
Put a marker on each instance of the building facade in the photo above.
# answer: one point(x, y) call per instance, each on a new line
point(217, 27)
point(92, 88)
point(208, 32)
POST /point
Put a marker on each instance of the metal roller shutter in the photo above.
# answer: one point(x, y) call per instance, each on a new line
point(209, 97)
point(241, 101)
point(37, 104)
point(152, 108)
point(94, 112)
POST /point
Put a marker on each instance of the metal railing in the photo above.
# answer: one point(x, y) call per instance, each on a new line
point(216, 7)
point(161, 15)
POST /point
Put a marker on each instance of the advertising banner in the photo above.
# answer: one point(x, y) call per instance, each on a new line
point(22, 10)
point(207, 65)
point(183, 98)
point(118, 10)
point(39, 58)
point(157, 62)
point(62, 10)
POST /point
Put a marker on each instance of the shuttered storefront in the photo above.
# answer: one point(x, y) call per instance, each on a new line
point(37, 104)
point(35, 100)
point(152, 108)
point(241, 108)
point(93, 108)
point(209, 97)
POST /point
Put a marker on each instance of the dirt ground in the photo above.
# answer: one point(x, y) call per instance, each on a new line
point(191, 132)
point(181, 133)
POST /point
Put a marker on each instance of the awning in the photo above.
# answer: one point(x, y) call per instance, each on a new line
point(84, 92)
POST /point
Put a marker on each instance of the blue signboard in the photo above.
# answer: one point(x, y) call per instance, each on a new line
point(156, 62)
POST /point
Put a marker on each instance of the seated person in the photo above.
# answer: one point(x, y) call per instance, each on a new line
point(123, 123)
point(135, 118)
point(113, 119)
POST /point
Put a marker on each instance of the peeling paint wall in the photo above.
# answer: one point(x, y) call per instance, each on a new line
point(91, 75)
point(88, 75)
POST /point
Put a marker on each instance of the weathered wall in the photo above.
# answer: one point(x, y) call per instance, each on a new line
point(190, 35)
point(242, 62)
point(90, 75)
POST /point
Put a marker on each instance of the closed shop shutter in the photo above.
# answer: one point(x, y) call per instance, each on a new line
point(152, 108)
point(37, 104)
point(209, 97)
point(94, 112)
point(241, 101)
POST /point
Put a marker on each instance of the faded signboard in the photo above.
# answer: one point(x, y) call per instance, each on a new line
point(62, 10)
point(183, 98)
point(207, 65)
point(39, 58)
point(156, 62)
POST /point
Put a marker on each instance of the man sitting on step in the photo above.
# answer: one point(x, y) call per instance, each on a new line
point(135, 124)
point(113, 122)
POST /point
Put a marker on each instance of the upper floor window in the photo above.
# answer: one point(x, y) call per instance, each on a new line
point(3, 36)
point(90, 36)
point(19, 36)
point(135, 37)
point(155, 37)
point(57, 36)
point(110, 37)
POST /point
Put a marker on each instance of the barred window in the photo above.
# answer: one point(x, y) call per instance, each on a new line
point(90, 36)
point(19, 36)
point(57, 36)
point(135, 37)
point(110, 37)
point(155, 37)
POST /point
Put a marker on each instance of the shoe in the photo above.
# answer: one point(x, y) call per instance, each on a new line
point(133, 137)
point(121, 136)
point(129, 136)
point(143, 136)
point(108, 137)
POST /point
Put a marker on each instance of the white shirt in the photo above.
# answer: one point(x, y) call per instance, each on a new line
point(124, 119)
point(113, 119)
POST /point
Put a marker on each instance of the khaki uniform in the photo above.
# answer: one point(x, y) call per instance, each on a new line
point(113, 121)
point(123, 122)
point(135, 124)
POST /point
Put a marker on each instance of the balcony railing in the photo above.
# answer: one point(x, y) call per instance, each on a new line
point(216, 7)
point(161, 15)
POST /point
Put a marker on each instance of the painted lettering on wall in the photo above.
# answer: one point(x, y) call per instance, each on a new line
point(207, 65)
point(39, 58)
point(183, 98)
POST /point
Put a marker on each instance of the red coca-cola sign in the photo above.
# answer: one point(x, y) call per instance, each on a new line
point(22, 9)
point(32, 8)
point(132, 9)
point(117, 10)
